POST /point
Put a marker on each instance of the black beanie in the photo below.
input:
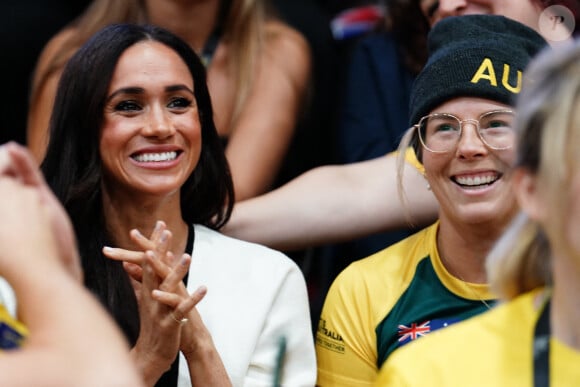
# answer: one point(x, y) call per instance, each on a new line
point(473, 56)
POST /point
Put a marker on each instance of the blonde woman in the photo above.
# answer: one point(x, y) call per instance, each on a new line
point(258, 69)
point(462, 133)
point(534, 339)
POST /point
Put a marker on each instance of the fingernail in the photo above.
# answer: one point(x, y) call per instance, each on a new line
point(202, 289)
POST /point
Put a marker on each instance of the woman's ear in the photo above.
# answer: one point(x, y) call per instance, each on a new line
point(528, 194)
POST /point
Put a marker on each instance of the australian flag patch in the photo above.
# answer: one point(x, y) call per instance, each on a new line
point(408, 332)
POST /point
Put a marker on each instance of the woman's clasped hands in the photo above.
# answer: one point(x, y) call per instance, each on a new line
point(169, 319)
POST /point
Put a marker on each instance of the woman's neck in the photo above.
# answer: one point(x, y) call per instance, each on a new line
point(463, 248)
point(193, 21)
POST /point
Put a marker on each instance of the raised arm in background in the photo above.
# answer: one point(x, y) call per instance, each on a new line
point(311, 210)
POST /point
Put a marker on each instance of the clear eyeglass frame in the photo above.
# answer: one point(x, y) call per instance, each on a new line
point(448, 140)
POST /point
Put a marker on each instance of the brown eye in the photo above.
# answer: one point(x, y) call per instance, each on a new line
point(127, 106)
point(179, 103)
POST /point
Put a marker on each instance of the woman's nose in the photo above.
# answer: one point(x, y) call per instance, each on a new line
point(470, 143)
point(159, 124)
point(451, 7)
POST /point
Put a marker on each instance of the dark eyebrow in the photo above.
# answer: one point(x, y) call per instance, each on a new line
point(178, 88)
point(126, 90)
point(140, 90)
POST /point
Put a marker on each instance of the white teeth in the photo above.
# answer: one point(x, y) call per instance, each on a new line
point(478, 180)
point(152, 157)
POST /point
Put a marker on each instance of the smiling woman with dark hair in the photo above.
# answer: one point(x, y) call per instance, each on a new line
point(133, 142)
point(255, 62)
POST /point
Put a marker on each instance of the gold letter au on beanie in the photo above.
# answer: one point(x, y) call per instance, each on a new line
point(473, 56)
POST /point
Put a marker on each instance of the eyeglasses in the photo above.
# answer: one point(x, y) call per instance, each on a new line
point(440, 132)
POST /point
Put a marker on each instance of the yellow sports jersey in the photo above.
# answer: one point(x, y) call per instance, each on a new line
point(494, 349)
point(382, 302)
point(12, 332)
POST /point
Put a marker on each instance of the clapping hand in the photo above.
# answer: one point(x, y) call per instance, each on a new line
point(157, 276)
point(17, 163)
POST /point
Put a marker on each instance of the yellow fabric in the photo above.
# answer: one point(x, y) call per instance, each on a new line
point(12, 331)
point(360, 298)
point(411, 158)
point(493, 349)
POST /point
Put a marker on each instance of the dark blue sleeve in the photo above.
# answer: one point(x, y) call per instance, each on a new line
point(374, 109)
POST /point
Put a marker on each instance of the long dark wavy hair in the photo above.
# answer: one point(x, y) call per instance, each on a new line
point(73, 167)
